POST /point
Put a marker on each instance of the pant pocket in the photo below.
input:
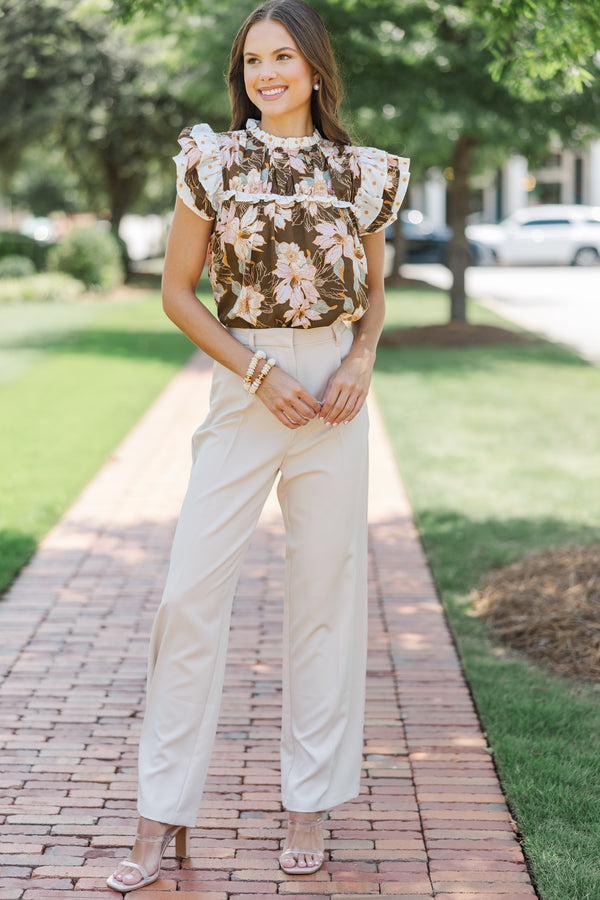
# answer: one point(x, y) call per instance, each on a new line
point(228, 403)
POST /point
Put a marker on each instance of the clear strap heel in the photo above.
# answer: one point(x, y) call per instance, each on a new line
point(304, 838)
point(181, 835)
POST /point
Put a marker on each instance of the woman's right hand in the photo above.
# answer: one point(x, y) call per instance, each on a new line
point(285, 397)
point(186, 251)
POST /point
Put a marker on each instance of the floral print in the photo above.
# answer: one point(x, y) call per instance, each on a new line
point(289, 213)
point(296, 287)
point(248, 306)
point(241, 233)
point(340, 246)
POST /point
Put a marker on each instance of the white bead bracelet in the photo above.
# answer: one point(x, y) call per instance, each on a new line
point(260, 354)
point(261, 375)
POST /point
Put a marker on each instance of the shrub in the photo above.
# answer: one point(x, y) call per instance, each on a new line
point(16, 267)
point(13, 243)
point(40, 288)
point(91, 255)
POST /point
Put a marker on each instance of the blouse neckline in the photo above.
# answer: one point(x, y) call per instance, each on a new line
point(289, 143)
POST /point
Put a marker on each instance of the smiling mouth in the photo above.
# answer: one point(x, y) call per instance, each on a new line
point(272, 93)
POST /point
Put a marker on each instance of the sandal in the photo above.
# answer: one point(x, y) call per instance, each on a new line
point(179, 832)
point(303, 833)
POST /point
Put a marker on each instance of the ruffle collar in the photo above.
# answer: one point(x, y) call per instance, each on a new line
point(289, 143)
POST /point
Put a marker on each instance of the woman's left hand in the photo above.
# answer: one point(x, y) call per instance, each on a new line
point(347, 389)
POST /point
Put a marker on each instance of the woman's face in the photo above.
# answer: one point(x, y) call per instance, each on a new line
point(278, 79)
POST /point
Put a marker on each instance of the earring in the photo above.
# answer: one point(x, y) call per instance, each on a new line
point(316, 86)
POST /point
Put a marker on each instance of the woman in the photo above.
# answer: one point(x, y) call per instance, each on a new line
point(290, 216)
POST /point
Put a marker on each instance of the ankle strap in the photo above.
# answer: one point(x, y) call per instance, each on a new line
point(149, 838)
point(316, 821)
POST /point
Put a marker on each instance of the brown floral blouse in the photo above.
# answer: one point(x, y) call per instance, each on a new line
point(289, 214)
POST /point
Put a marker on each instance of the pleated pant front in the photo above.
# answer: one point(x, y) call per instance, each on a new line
point(238, 452)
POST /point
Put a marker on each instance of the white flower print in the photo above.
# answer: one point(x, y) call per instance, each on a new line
point(297, 285)
point(291, 255)
point(248, 305)
point(229, 148)
point(359, 261)
point(353, 157)
point(301, 314)
point(335, 164)
point(335, 239)
point(192, 151)
point(250, 183)
point(306, 191)
point(242, 233)
point(320, 187)
point(302, 188)
point(296, 163)
point(279, 214)
point(391, 174)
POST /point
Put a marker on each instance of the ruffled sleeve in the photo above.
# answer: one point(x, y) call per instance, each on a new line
point(383, 184)
point(199, 171)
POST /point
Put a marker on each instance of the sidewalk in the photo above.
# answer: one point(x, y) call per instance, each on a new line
point(431, 819)
point(559, 303)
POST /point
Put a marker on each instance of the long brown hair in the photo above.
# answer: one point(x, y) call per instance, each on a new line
point(307, 29)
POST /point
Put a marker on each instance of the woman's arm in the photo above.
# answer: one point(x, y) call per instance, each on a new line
point(349, 386)
point(184, 260)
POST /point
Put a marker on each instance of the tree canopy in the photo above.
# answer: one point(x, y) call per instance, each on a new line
point(530, 41)
point(451, 84)
point(72, 76)
point(537, 42)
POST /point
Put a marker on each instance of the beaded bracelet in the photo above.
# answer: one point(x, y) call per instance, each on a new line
point(261, 375)
point(260, 354)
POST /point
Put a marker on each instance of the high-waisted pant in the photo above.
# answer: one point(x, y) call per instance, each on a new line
point(237, 453)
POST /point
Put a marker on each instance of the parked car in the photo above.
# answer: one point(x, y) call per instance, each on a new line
point(564, 235)
point(428, 243)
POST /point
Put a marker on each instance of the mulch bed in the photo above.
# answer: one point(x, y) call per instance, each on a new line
point(548, 606)
point(453, 334)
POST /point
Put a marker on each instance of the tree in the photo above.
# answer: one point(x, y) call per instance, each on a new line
point(42, 61)
point(422, 80)
point(46, 188)
point(525, 43)
point(82, 79)
point(428, 93)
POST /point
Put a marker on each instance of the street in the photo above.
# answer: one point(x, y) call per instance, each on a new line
point(561, 303)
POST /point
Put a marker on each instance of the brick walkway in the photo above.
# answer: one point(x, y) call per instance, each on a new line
point(431, 819)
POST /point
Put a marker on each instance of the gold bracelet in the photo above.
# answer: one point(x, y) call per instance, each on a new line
point(260, 354)
point(262, 375)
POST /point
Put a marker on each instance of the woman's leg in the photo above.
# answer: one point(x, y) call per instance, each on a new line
point(323, 496)
point(145, 855)
point(236, 457)
point(237, 453)
point(325, 618)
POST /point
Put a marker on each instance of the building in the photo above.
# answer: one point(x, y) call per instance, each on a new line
point(569, 176)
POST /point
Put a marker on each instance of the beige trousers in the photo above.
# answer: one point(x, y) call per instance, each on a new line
point(238, 452)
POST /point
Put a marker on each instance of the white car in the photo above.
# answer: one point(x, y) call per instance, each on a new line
point(563, 235)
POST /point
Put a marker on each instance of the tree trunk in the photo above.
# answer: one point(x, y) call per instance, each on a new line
point(118, 196)
point(121, 189)
point(458, 210)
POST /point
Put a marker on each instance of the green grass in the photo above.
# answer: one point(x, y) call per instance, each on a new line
point(73, 381)
point(29, 331)
point(499, 450)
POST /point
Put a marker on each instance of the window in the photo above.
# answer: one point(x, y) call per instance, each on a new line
point(546, 222)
